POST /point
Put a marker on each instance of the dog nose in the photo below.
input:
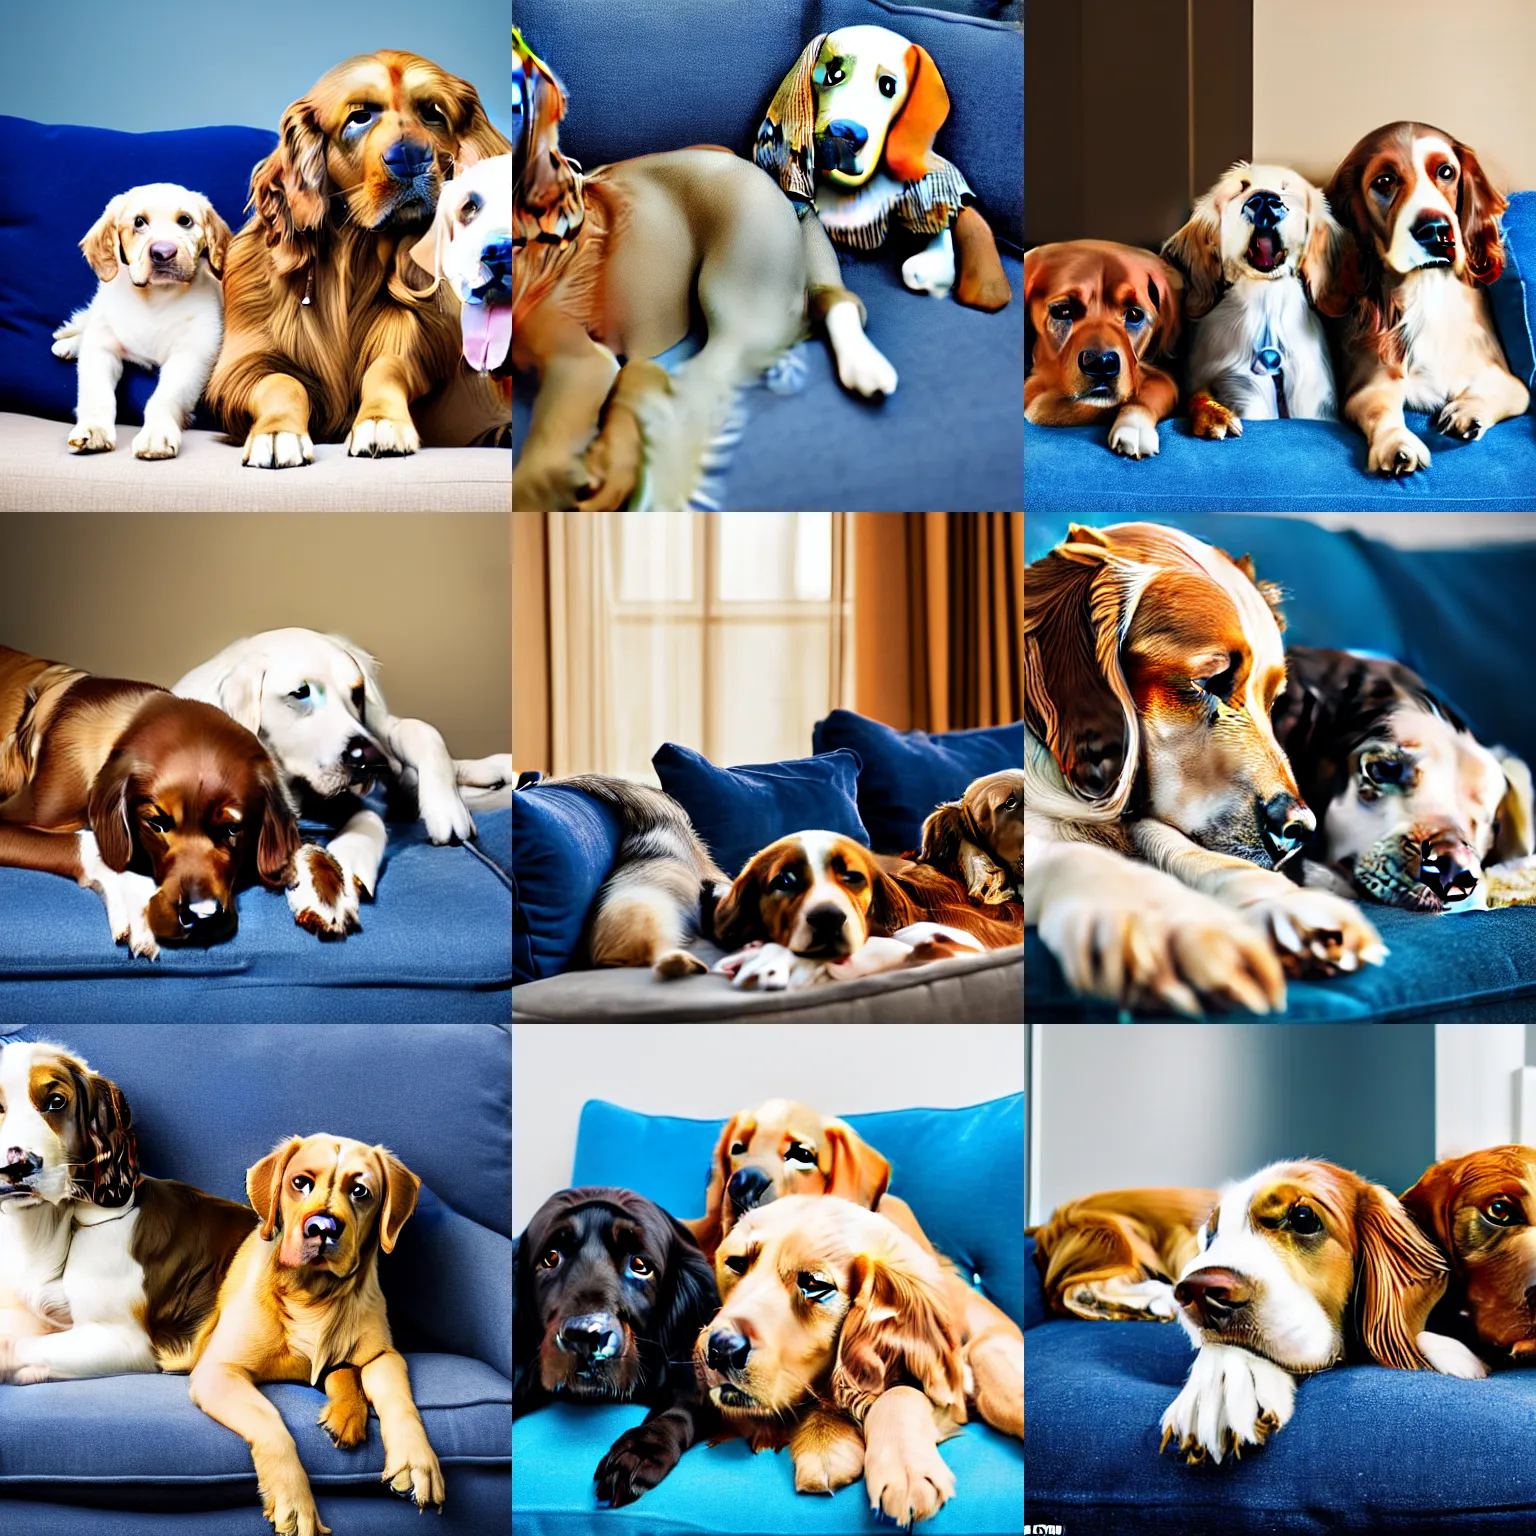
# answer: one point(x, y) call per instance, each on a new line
point(1448, 868)
point(727, 1350)
point(1099, 365)
point(826, 922)
point(20, 1164)
point(163, 250)
point(361, 756)
point(1264, 209)
point(747, 1188)
point(322, 1225)
point(1286, 824)
point(1433, 232)
point(201, 917)
point(496, 258)
point(405, 159)
point(1216, 1294)
point(849, 132)
point(593, 1336)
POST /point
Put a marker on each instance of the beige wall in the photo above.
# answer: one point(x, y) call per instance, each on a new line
point(151, 595)
point(1325, 72)
point(530, 644)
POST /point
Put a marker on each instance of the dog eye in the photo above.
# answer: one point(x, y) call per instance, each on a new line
point(1384, 770)
point(1502, 1212)
point(1061, 310)
point(1219, 684)
point(300, 693)
point(738, 1264)
point(303, 1183)
point(470, 208)
point(1303, 1220)
point(887, 86)
point(358, 116)
point(139, 221)
point(787, 880)
point(432, 115)
point(1385, 182)
point(1446, 173)
point(853, 878)
point(795, 1153)
point(640, 1267)
point(551, 1259)
point(737, 1148)
point(1135, 314)
point(55, 1102)
point(361, 1193)
point(185, 220)
point(230, 832)
point(812, 1287)
point(158, 821)
point(1011, 803)
point(834, 75)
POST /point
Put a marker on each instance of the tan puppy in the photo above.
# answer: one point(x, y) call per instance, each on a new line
point(979, 838)
point(302, 1300)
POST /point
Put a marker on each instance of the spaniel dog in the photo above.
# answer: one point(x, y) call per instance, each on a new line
point(1419, 333)
point(1159, 805)
point(157, 304)
point(1259, 256)
point(323, 334)
point(1411, 807)
point(1299, 1266)
point(608, 1292)
point(978, 840)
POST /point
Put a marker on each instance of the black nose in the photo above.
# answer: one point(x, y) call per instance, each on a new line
point(362, 757)
point(163, 250)
point(1286, 824)
point(19, 1164)
point(1264, 210)
point(747, 1188)
point(405, 160)
point(1434, 233)
point(202, 919)
point(496, 258)
point(1448, 869)
point(1099, 365)
point(826, 922)
point(327, 1228)
point(592, 1337)
point(727, 1351)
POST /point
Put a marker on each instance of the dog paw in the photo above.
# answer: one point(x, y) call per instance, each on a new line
point(322, 899)
point(1210, 419)
point(930, 272)
point(1464, 419)
point(378, 437)
point(613, 463)
point(162, 440)
point(278, 450)
point(635, 1462)
point(831, 1464)
point(1231, 1399)
point(677, 962)
point(913, 1484)
point(444, 813)
point(66, 344)
point(294, 1515)
point(1316, 933)
point(414, 1474)
point(125, 895)
point(93, 437)
point(861, 366)
point(1134, 435)
point(1396, 451)
point(766, 969)
point(347, 1422)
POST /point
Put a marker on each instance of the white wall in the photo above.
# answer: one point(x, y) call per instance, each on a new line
point(711, 1071)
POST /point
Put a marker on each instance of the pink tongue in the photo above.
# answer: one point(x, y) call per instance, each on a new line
point(487, 335)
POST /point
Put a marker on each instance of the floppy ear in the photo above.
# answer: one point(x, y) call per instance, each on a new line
point(859, 1173)
point(910, 140)
point(1429, 1204)
point(1516, 836)
point(279, 840)
point(890, 907)
point(1357, 279)
point(264, 1183)
point(401, 1189)
point(111, 1171)
point(289, 187)
point(427, 253)
point(1323, 259)
point(100, 242)
point(1078, 601)
point(1165, 288)
point(373, 695)
point(107, 811)
point(239, 691)
point(783, 146)
point(688, 1300)
point(738, 916)
point(1270, 591)
point(709, 1229)
point(1478, 206)
point(943, 832)
point(217, 235)
point(1400, 1275)
point(897, 1325)
point(1196, 251)
point(479, 138)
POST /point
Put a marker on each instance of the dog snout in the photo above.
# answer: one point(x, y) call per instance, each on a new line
point(592, 1337)
point(323, 1225)
point(201, 917)
point(747, 1188)
point(727, 1351)
point(1264, 210)
point(1286, 824)
point(1435, 234)
point(163, 251)
point(1099, 365)
point(496, 258)
point(406, 159)
point(19, 1164)
point(826, 922)
point(1448, 867)
point(363, 757)
point(1216, 1295)
point(849, 132)
point(838, 145)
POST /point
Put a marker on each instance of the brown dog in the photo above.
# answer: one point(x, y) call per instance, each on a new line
point(301, 1301)
point(979, 838)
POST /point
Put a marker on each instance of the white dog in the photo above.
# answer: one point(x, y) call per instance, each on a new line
point(314, 701)
point(157, 305)
point(1259, 255)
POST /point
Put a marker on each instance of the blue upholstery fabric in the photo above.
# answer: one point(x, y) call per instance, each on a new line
point(970, 1202)
point(566, 843)
point(739, 811)
point(1514, 295)
point(43, 218)
point(55, 932)
point(907, 773)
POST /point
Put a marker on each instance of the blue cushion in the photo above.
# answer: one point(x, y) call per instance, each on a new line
point(43, 218)
point(1514, 295)
point(739, 811)
point(566, 843)
point(907, 773)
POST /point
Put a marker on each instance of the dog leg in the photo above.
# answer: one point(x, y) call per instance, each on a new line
point(182, 377)
point(383, 427)
point(358, 850)
point(483, 773)
point(996, 1364)
point(421, 747)
point(100, 367)
point(1378, 411)
point(932, 269)
point(345, 1415)
point(861, 367)
point(827, 1449)
point(983, 284)
point(616, 459)
point(322, 898)
point(126, 895)
point(1493, 396)
point(410, 1464)
point(279, 435)
point(904, 1475)
point(575, 376)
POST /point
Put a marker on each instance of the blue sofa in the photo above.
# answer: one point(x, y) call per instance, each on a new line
point(1458, 618)
point(130, 1454)
point(970, 1203)
point(58, 962)
point(1309, 466)
point(950, 436)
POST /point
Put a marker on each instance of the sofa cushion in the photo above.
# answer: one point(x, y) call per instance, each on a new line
point(1514, 295)
point(905, 774)
point(739, 811)
point(43, 218)
point(566, 843)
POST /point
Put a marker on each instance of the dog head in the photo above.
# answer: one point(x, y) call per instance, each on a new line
point(157, 234)
point(989, 816)
point(545, 186)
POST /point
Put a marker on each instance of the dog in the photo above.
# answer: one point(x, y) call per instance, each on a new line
point(1159, 806)
point(156, 305)
point(608, 1294)
point(978, 840)
point(702, 230)
point(1411, 807)
point(322, 336)
point(163, 806)
point(316, 704)
point(1100, 321)
point(849, 136)
point(301, 1300)
point(1259, 257)
point(1298, 1265)
point(816, 906)
point(1418, 332)
point(104, 1271)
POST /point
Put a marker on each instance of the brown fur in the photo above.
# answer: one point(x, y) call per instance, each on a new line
point(978, 840)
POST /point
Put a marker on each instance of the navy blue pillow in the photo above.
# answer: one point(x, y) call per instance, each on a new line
point(563, 845)
point(907, 773)
point(1514, 295)
point(739, 811)
point(75, 173)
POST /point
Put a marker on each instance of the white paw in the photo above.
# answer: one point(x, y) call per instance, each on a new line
point(861, 366)
point(278, 450)
point(930, 272)
point(766, 969)
point(444, 813)
point(1450, 1357)
point(93, 437)
point(324, 898)
point(378, 437)
point(1231, 1399)
point(1396, 451)
point(1134, 435)
point(126, 896)
point(1317, 933)
point(66, 344)
point(158, 440)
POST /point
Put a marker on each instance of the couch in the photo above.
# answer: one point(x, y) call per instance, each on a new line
point(970, 1203)
point(949, 437)
point(1307, 466)
point(130, 1454)
point(1455, 616)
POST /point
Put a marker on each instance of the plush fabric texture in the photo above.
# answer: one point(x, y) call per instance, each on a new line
point(739, 811)
point(907, 773)
point(1514, 295)
point(566, 843)
point(72, 174)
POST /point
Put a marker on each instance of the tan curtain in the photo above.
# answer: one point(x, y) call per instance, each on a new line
point(581, 641)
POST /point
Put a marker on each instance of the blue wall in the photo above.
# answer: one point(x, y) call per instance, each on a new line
point(141, 68)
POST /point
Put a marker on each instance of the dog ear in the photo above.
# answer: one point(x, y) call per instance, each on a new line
point(401, 1190)
point(1400, 1276)
point(739, 915)
point(1271, 591)
point(479, 138)
point(110, 1169)
point(107, 811)
point(943, 832)
point(1323, 259)
point(279, 839)
point(1357, 280)
point(1165, 288)
point(100, 242)
point(859, 1173)
point(239, 692)
point(289, 187)
point(216, 237)
point(910, 140)
point(784, 145)
point(709, 1229)
point(1516, 821)
point(1196, 251)
point(1429, 1204)
point(890, 907)
point(264, 1184)
point(1478, 206)
point(688, 1300)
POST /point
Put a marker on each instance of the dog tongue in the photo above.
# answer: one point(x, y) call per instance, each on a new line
point(1264, 249)
point(487, 335)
